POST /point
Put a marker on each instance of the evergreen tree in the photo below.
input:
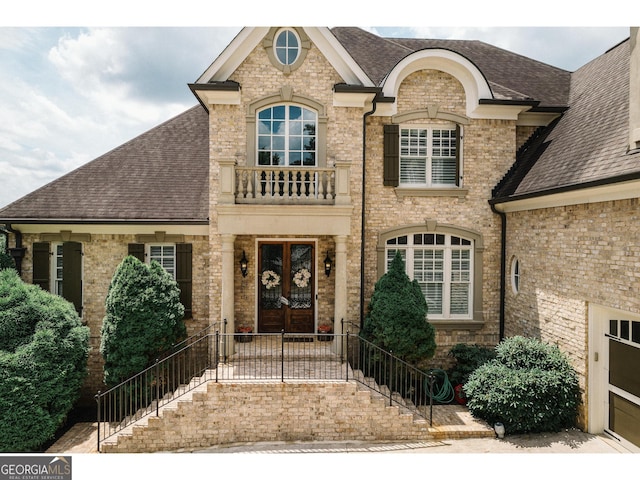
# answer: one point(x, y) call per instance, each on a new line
point(397, 316)
point(143, 318)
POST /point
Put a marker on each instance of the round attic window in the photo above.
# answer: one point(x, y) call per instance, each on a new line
point(287, 47)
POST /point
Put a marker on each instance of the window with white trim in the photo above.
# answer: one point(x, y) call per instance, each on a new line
point(57, 270)
point(287, 136)
point(515, 274)
point(428, 156)
point(287, 46)
point(443, 266)
point(164, 254)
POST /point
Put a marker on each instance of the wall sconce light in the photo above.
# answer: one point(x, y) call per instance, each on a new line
point(244, 263)
point(327, 264)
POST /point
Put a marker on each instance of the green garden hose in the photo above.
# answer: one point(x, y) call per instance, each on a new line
point(442, 388)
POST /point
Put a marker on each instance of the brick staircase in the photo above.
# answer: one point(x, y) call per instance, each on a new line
point(228, 412)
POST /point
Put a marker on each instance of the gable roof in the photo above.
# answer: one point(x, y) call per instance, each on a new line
point(588, 145)
point(511, 76)
point(160, 176)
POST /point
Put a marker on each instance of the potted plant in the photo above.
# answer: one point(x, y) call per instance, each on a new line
point(324, 333)
point(243, 334)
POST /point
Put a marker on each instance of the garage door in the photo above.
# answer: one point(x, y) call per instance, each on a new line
point(624, 381)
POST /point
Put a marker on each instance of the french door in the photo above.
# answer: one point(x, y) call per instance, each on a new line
point(286, 298)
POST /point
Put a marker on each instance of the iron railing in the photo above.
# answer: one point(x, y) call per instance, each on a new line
point(214, 356)
point(402, 383)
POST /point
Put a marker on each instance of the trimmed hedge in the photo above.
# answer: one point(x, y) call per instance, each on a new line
point(143, 318)
point(530, 387)
point(43, 362)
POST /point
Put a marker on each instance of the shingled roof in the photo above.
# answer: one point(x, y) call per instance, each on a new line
point(510, 76)
point(589, 143)
point(159, 176)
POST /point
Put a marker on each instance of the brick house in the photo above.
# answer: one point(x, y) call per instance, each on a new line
point(315, 154)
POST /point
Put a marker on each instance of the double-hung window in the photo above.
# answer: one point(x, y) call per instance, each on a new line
point(165, 255)
point(175, 258)
point(443, 266)
point(428, 156)
point(287, 136)
point(423, 157)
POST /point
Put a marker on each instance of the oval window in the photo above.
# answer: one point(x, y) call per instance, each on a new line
point(515, 275)
point(287, 47)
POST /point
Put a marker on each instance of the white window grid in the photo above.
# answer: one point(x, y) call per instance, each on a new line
point(428, 156)
point(443, 267)
point(164, 254)
point(287, 139)
point(57, 269)
point(287, 46)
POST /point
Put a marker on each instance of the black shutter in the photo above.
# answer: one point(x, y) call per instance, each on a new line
point(391, 155)
point(137, 250)
point(183, 275)
point(458, 148)
point(41, 265)
point(72, 274)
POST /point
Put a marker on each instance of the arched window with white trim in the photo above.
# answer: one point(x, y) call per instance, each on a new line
point(286, 135)
point(446, 261)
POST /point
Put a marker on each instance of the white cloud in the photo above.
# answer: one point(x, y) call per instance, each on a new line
point(70, 95)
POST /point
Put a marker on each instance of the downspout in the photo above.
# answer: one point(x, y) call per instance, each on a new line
point(18, 251)
point(503, 265)
point(364, 188)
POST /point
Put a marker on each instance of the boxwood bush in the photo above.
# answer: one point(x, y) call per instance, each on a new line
point(530, 387)
point(43, 362)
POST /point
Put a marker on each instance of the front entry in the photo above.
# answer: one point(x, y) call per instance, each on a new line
point(285, 286)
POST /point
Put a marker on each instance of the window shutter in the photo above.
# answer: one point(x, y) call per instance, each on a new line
point(42, 265)
point(137, 250)
point(391, 155)
point(183, 275)
point(72, 274)
point(458, 149)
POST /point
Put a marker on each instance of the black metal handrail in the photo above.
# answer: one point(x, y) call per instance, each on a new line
point(399, 381)
point(278, 357)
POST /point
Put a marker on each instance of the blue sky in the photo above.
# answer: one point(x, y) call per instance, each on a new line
point(70, 94)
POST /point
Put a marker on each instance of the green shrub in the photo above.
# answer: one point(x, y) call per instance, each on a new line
point(530, 387)
point(143, 318)
point(467, 359)
point(397, 316)
point(43, 362)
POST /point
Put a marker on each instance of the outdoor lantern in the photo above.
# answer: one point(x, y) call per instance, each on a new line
point(243, 264)
point(327, 265)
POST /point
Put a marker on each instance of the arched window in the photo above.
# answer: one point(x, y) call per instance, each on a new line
point(287, 136)
point(446, 261)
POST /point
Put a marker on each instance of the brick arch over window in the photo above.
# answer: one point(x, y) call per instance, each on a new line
point(433, 227)
point(286, 96)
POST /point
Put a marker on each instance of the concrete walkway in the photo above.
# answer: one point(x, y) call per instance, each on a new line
point(568, 441)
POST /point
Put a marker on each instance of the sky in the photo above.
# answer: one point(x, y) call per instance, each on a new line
point(69, 94)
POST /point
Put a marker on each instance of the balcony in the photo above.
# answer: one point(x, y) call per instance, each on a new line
point(275, 200)
point(276, 185)
point(285, 185)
